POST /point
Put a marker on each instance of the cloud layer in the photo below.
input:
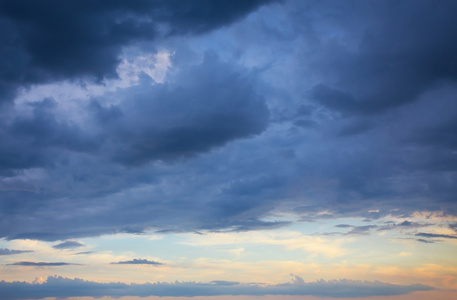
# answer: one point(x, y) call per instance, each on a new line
point(65, 287)
point(315, 110)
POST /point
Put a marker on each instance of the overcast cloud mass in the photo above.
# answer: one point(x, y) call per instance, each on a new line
point(132, 118)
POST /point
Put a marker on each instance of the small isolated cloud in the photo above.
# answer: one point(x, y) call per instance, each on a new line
point(6, 251)
point(136, 261)
point(343, 226)
point(60, 287)
point(84, 252)
point(68, 245)
point(406, 223)
point(425, 241)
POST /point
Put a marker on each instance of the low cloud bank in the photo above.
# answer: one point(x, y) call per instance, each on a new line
point(65, 287)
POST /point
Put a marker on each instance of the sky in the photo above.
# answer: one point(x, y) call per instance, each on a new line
point(228, 150)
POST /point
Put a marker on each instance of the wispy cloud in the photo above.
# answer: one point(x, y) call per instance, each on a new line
point(435, 235)
point(6, 251)
point(41, 264)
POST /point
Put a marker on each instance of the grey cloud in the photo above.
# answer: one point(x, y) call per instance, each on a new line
point(366, 229)
point(334, 98)
point(48, 236)
point(137, 261)
point(355, 230)
point(362, 229)
point(169, 122)
point(405, 225)
point(64, 287)
point(343, 226)
point(84, 252)
point(396, 59)
point(382, 82)
point(203, 146)
point(425, 241)
point(453, 226)
point(151, 124)
point(45, 131)
point(68, 245)
point(6, 251)
point(434, 235)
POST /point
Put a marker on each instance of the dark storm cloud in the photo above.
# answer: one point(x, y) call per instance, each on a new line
point(60, 287)
point(361, 98)
point(206, 106)
point(55, 40)
point(44, 131)
point(392, 85)
point(211, 105)
point(68, 245)
point(153, 122)
point(136, 261)
point(386, 85)
point(6, 251)
point(40, 264)
point(406, 48)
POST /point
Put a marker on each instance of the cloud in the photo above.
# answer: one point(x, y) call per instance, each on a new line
point(73, 39)
point(366, 82)
point(68, 245)
point(40, 264)
point(84, 252)
point(453, 226)
point(362, 229)
point(150, 124)
point(136, 261)
point(223, 141)
point(425, 241)
point(65, 287)
point(166, 123)
point(434, 235)
point(343, 226)
point(6, 251)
